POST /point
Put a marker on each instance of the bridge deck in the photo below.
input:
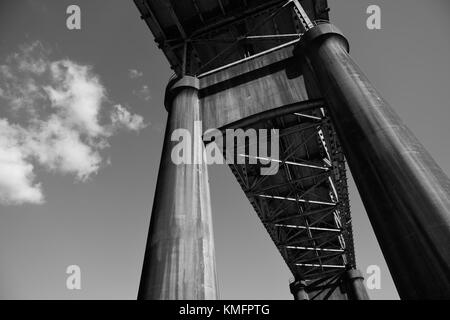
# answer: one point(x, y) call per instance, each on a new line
point(211, 28)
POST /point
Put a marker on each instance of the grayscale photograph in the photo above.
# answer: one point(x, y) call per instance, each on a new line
point(251, 154)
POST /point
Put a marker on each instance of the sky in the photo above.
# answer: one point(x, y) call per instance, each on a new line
point(81, 131)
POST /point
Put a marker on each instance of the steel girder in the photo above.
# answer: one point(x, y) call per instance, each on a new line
point(304, 206)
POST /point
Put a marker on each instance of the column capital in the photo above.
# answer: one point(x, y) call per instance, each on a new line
point(317, 35)
point(297, 285)
point(176, 85)
point(298, 290)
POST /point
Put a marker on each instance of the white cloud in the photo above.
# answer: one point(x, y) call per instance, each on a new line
point(16, 173)
point(143, 92)
point(59, 148)
point(31, 58)
point(61, 127)
point(77, 96)
point(122, 118)
point(134, 74)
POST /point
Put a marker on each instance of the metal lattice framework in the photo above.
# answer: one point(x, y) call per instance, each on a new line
point(304, 206)
point(200, 35)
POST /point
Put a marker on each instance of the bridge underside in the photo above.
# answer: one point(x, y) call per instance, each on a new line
point(200, 35)
point(304, 206)
point(235, 68)
point(242, 54)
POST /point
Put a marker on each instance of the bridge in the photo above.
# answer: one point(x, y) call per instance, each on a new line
point(254, 64)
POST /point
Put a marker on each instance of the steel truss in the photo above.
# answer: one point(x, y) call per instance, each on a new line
point(304, 206)
point(241, 32)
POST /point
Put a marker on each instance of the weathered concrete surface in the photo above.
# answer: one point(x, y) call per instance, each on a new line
point(405, 193)
point(356, 289)
point(267, 82)
point(179, 260)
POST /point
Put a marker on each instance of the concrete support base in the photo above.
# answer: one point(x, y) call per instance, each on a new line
point(356, 289)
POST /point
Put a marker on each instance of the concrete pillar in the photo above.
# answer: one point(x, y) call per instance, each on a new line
point(405, 193)
point(298, 290)
point(179, 261)
point(356, 289)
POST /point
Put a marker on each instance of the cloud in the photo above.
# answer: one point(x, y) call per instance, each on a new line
point(16, 173)
point(134, 74)
point(76, 96)
point(61, 149)
point(143, 92)
point(58, 121)
point(122, 118)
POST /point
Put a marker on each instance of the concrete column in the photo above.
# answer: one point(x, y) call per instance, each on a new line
point(179, 259)
point(405, 193)
point(298, 290)
point(356, 289)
